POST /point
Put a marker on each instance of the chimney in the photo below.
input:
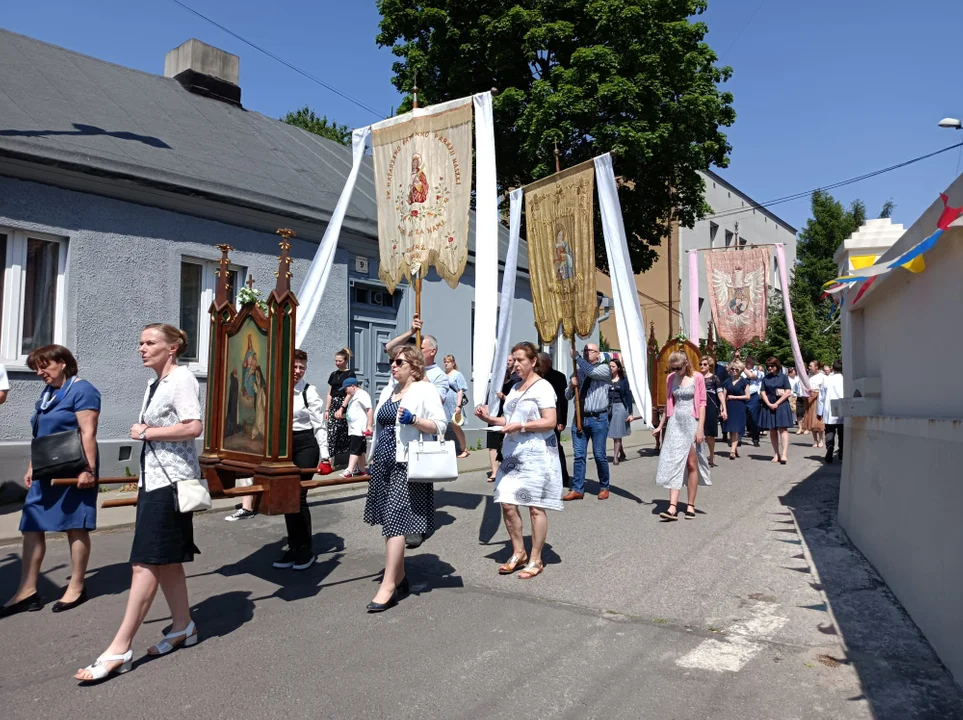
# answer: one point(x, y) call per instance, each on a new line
point(205, 70)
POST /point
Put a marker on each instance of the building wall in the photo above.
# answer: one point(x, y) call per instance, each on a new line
point(123, 271)
point(900, 489)
point(754, 227)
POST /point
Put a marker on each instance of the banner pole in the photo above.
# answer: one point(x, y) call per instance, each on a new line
point(414, 105)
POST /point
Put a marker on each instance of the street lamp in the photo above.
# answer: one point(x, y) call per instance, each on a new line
point(951, 123)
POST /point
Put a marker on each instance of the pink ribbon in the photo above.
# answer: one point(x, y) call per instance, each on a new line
point(784, 282)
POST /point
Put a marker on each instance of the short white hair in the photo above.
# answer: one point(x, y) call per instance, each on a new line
point(432, 342)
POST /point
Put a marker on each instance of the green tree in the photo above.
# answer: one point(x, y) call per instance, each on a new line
point(306, 119)
point(630, 76)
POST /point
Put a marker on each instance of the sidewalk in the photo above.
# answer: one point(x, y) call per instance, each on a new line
point(123, 517)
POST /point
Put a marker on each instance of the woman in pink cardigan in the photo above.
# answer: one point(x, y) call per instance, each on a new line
point(683, 459)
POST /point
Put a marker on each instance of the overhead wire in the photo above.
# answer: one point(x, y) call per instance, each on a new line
point(281, 60)
point(739, 34)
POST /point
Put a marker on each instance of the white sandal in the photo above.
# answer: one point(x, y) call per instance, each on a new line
point(99, 672)
point(166, 646)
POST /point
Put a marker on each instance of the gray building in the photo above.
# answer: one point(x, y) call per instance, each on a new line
point(115, 187)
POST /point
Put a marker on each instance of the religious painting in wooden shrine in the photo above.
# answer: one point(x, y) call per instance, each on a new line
point(246, 390)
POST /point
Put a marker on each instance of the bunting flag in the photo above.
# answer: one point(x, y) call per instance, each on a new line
point(561, 252)
point(739, 281)
point(422, 167)
point(912, 259)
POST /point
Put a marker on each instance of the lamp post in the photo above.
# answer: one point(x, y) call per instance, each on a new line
point(951, 124)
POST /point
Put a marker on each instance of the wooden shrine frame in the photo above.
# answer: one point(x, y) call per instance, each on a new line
point(276, 478)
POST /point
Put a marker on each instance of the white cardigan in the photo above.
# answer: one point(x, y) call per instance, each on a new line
point(423, 400)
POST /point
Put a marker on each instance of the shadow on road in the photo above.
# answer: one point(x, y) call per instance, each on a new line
point(901, 675)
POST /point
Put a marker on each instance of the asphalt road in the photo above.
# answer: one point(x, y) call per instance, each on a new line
point(759, 608)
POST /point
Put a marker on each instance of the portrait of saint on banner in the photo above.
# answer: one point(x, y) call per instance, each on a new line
point(423, 170)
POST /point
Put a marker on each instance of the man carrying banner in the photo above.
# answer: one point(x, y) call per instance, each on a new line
point(754, 375)
point(592, 379)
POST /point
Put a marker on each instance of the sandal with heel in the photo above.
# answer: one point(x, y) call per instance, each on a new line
point(533, 569)
point(512, 565)
point(186, 638)
point(99, 672)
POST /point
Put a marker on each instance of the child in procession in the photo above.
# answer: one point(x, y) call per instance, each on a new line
point(360, 415)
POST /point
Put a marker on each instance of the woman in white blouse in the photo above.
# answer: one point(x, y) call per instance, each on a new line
point(407, 409)
point(170, 422)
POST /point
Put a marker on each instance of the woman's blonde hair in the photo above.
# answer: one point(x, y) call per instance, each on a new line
point(171, 335)
point(737, 365)
point(454, 365)
point(345, 353)
point(679, 356)
point(712, 362)
point(415, 360)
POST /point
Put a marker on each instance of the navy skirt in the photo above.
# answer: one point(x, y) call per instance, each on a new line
point(162, 535)
point(735, 417)
point(775, 420)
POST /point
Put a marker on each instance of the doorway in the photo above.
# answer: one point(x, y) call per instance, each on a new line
point(374, 319)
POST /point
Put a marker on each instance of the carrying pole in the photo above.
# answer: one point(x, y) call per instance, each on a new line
point(417, 278)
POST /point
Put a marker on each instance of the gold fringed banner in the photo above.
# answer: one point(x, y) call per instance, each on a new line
point(739, 288)
point(423, 171)
point(561, 251)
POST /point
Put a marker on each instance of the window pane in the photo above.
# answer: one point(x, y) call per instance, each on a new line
point(3, 272)
point(232, 291)
point(40, 294)
point(190, 307)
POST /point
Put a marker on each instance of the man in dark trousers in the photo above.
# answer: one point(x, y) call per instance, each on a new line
point(559, 384)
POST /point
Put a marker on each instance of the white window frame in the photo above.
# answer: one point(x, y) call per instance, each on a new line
point(208, 290)
point(14, 286)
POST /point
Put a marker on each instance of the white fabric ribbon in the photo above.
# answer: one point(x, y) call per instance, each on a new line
point(309, 296)
point(628, 313)
point(507, 302)
point(694, 328)
point(486, 245)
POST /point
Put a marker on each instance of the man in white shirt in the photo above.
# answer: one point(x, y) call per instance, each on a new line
point(360, 416)
point(754, 376)
point(832, 389)
point(4, 385)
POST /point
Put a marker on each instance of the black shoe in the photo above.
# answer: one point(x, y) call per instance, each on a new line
point(31, 603)
point(374, 607)
point(829, 459)
point(303, 560)
point(285, 561)
point(403, 588)
point(414, 541)
point(61, 606)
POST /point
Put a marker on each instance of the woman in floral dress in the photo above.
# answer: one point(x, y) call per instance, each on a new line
point(530, 474)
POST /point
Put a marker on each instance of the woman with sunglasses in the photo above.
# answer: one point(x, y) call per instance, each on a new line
point(736, 390)
point(407, 409)
point(714, 406)
point(775, 415)
point(682, 460)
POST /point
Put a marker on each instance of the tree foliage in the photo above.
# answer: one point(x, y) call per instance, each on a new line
point(306, 119)
point(630, 76)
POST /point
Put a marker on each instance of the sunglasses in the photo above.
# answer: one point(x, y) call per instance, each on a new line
point(676, 368)
point(398, 362)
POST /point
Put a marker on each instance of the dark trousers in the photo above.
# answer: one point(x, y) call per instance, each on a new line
point(831, 431)
point(752, 417)
point(306, 454)
point(566, 480)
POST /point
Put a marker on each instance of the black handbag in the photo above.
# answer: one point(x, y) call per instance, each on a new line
point(58, 455)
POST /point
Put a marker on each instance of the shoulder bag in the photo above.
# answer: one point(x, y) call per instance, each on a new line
point(58, 454)
point(191, 495)
point(431, 461)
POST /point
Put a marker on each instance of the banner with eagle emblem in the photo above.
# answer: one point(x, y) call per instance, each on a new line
point(738, 289)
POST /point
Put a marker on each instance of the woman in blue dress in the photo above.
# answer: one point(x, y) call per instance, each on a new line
point(775, 414)
point(67, 403)
point(736, 394)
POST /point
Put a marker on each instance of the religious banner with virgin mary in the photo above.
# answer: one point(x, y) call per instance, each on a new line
point(561, 252)
point(423, 170)
point(738, 292)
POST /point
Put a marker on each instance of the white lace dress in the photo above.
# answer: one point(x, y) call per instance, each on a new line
point(530, 473)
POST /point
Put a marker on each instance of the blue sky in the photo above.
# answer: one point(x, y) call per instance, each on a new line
point(824, 89)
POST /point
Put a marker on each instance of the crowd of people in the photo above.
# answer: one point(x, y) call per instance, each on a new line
point(345, 427)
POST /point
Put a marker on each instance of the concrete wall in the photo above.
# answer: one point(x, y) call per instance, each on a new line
point(901, 492)
point(123, 271)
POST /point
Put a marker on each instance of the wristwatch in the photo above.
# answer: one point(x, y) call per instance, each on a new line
point(143, 434)
point(523, 428)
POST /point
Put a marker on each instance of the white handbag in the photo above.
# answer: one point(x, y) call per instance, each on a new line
point(432, 460)
point(192, 495)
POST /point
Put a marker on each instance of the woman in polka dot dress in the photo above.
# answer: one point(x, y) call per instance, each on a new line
point(530, 474)
point(406, 409)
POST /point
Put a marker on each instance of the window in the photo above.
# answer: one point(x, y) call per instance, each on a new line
point(31, 293)
point(728, 238)
point(742, 241)
point(713, 229)
point(198, 283)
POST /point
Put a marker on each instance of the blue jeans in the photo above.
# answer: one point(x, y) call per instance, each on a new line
point(596, 429)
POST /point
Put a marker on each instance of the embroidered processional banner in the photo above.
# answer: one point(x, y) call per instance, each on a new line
point(561, 252)
point(423, 170)
point(739, 285)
